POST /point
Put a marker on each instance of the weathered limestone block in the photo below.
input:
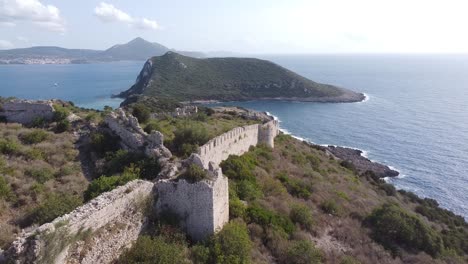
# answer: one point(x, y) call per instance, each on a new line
point(109, 224)
point(26, 111)
point(127, 128)
point(203, 207)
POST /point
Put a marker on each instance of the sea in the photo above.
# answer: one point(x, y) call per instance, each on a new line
point(414, 118)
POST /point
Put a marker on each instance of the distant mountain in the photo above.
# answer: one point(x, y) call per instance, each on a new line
point(137, 49)
point(183, 78)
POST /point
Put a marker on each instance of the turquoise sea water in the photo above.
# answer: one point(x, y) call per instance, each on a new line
point(87, 85)
point(415, 120)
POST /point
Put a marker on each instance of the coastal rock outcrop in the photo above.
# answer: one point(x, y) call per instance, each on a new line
point(362, 163)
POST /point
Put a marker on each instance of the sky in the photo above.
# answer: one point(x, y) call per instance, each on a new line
point(245, 26)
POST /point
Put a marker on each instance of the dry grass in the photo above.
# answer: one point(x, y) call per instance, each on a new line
point(341, 236)
point(34, 171)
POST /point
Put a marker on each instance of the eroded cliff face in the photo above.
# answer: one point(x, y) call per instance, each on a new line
point(27, 111)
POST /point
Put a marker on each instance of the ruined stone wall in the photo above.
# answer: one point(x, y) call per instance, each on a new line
point(26, 111)
point(238, 141)
point(234, 142)
point(96, 232)
point(202, 207)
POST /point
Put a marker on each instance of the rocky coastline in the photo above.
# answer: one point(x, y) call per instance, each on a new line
point(361, 163)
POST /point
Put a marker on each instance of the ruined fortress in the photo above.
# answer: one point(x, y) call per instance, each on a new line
point(99, 231)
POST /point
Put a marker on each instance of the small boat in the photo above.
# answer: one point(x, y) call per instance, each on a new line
point(55, 84)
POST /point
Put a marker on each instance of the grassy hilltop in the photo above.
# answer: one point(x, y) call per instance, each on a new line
point(185, 78)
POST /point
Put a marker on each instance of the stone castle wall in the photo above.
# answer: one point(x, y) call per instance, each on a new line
point(202, 207)
point(96, 232)
point(238, 141)
point(26, 111)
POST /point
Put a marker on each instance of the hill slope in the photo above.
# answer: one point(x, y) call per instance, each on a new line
point(183, 78)
point(137, 49)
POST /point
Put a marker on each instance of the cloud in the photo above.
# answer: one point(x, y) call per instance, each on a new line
point(4, 44)
point(46, 16)
point(108, 13)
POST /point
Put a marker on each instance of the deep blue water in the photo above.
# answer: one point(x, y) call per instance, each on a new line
point(416, 118)
point(87, 85)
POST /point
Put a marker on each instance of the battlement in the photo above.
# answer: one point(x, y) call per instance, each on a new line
point(238, 141)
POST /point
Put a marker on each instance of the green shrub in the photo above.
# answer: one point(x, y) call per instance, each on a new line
point(194, 173)
point(248, 190)
point(152, 126)
point(61, 113)
point(265, 218)
point(237, 209)
point(5, 190)
point(389, 189)
point(34, 137)
point(200, 254)
point(106, 184)
point(295, 187)
point(238, 168)
point(302, 215)
point(9, 147)
point(154, 250)
point(116, 162)
point(330, 207)
point(41, 175)
point(39, 122)
point(34, 154)
point(303, 252)
point(102, 142)
point(188, 136)
point(149, 168)
point(62, 126)
point(232, 244)
point(395, 228)
point(141, 112)
point(54, 206)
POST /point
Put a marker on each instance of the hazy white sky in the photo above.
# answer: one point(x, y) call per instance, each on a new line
point(252, 26)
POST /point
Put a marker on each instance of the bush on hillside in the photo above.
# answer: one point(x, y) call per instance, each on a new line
point(232, 244)
point(41, 175)
point(141, 112)
point(53, 206)
point(302, 215)
point(295, 187)
point(106, 184)
point(61, 113)
point(9, 147)
point(34, 137)
point(188, 137)
point(194, 173)
point(152, 126)
point(62, 126)
point(102, 142)
point(395, 228)
point(154, 250)
point(330, 207)
point(5, 190)
point(302, 252)
point(267, 218)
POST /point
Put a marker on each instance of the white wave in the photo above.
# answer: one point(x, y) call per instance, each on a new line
point(366, 98)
